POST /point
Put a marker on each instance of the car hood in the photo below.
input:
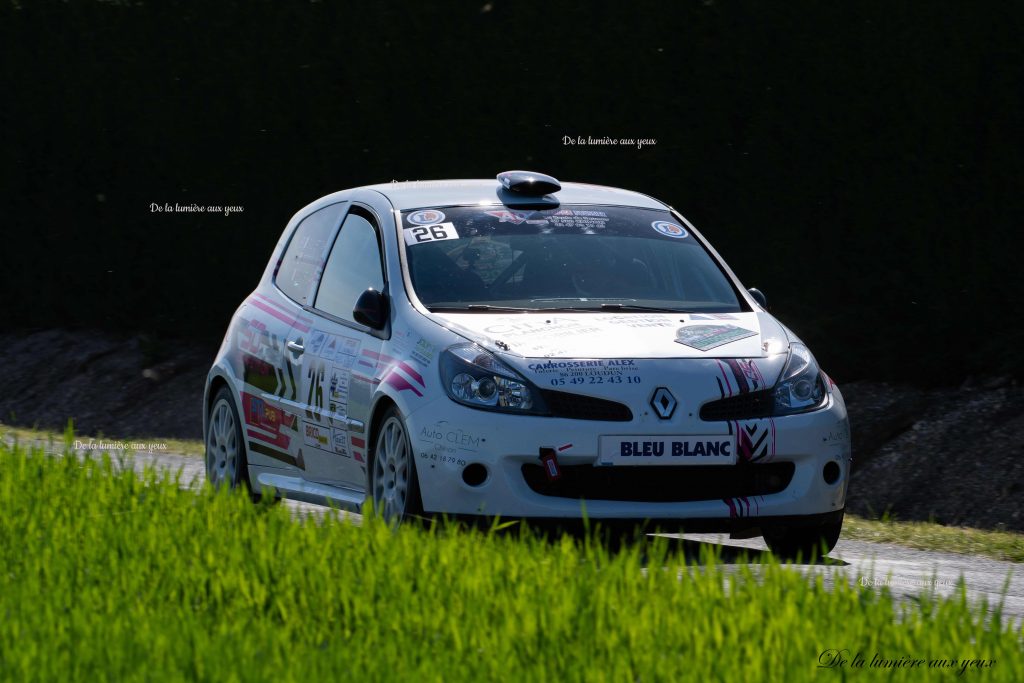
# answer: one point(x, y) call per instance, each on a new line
point(621, 335)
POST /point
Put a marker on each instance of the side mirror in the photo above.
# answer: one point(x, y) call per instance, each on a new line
point(759, 297)
point(371, 309)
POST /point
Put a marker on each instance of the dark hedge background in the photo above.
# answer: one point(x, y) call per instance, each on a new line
point(860, 162)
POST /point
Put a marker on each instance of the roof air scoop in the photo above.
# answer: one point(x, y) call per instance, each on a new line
point(528, 183)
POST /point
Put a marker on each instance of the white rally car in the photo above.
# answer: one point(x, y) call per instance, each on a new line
point(526, 349)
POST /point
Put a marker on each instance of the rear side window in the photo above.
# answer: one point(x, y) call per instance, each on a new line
point(353, 267)
point(303, 260)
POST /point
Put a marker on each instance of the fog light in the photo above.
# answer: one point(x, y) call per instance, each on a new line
point(831, 472)
point(474, 474)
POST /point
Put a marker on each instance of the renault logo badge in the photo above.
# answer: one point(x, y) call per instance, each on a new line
point(663, 402)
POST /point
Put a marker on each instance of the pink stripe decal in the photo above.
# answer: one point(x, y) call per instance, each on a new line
point(377, 356)
point(401, 383)
point(357, 442)
point(272, 311)
point(412, 373)
point(565, 447)
point(300, 323)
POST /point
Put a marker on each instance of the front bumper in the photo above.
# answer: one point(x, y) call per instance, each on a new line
point(453, 442)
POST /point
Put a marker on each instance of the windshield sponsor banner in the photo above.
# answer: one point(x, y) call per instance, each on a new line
point(705, 337)
point(666, 450)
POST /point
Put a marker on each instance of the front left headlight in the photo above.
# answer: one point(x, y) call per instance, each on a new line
point(800, 387)
point(476, 378)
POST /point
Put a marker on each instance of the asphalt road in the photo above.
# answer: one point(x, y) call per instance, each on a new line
point(907, 572)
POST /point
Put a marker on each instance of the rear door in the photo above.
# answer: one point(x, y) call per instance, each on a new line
point(340, 357)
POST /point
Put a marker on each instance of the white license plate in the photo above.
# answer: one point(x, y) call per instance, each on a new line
point(667, 450)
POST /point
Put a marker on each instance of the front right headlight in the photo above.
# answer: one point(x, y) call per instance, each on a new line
point(476, 378)
point(800, 387)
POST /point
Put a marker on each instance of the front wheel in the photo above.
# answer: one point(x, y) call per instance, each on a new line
point(804, 543)
point(393, 484)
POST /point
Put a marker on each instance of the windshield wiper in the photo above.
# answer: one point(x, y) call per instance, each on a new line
point(484, 308)
point(637, 307)
point(488, 308)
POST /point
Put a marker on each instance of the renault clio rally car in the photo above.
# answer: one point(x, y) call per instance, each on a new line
point(523, 348)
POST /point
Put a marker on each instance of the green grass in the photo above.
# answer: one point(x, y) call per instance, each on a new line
point(1000, 545)
point(110, 576)
point(32, 435)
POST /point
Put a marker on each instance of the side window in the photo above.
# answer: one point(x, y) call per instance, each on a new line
point(353, 267)
point(304, 258)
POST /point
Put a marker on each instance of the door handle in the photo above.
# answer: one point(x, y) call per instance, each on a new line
point(295, 347)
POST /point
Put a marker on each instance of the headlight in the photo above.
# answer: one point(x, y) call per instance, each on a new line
point(800, 388)
point(475, 378)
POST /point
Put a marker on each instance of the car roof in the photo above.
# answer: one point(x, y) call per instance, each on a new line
point(418, 194)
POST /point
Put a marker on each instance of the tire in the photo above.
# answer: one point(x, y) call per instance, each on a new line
point(394, 486)
point(226, 462)
point(804, 543)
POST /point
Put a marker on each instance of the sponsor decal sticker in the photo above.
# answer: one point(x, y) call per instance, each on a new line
point(337, 392)
point(265, 422)
point(445, 444)
point(316, 436)
point(426, 217)
point(705, 337)
point(316, 342)
point(640, 320)
point(598, 371)
point(670, 450)
point(339, 439)
point(579, 219)
point(358, 446)
point(515, 217)
point(669, 229)
point(442, 437)
point(423, 353)
point(330, 349)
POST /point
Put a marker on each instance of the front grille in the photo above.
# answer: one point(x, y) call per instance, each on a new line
point(661, 484)
point(579, 407)
point(742, 407)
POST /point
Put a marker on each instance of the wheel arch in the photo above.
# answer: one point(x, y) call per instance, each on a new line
point(380, 407)
point(216, 380)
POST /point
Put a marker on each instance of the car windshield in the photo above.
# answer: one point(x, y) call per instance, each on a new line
point(569, 257)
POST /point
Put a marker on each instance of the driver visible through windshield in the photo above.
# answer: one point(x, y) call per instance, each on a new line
point(565, 258)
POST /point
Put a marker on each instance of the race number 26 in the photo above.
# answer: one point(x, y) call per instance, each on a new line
point(431, 233)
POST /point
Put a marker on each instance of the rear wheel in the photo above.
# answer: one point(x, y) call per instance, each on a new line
point(226, 464)
point(393, 484)
point(804, 543)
